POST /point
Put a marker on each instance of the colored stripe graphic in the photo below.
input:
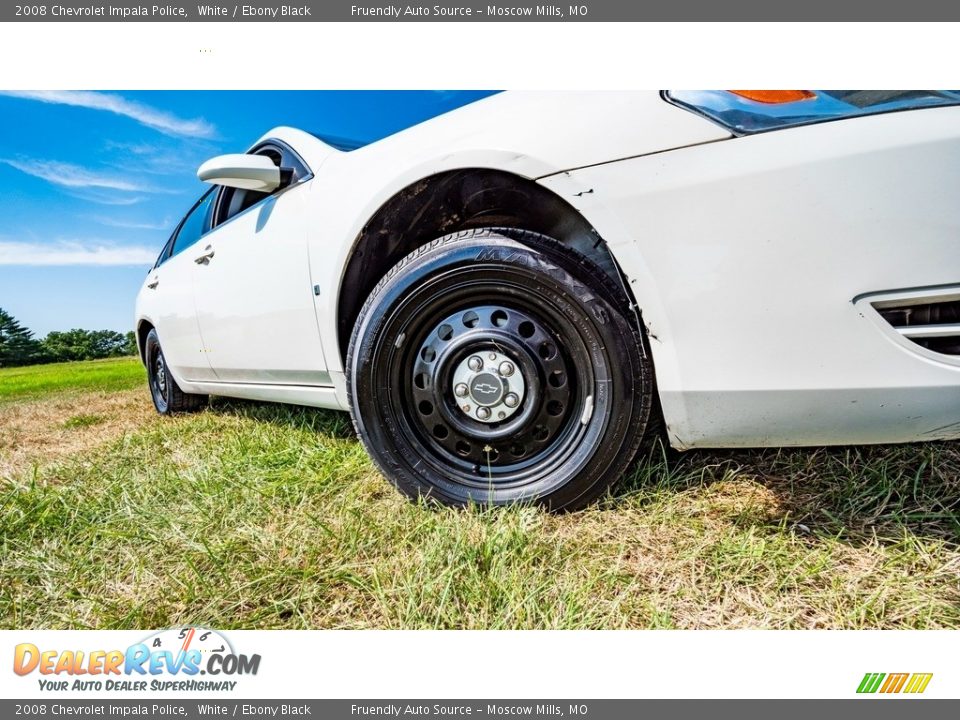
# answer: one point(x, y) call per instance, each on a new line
point(870, 682)
point(918, 683)
point(894, 683)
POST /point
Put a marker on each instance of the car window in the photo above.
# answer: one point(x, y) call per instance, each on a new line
point(195, 224)
point(234, 201)
point(165, 253)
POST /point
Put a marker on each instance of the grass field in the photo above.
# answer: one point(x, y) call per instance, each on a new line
point(264, 516)
point(44, 380)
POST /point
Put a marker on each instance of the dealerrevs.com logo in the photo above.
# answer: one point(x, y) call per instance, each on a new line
point(171, 659)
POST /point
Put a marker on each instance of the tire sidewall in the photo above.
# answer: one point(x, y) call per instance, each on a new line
point(618, 407)
point(151, 349)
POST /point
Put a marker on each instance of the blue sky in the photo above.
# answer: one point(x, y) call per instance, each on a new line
point(94, 182)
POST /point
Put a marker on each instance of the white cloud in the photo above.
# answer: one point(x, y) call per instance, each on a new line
point(75, 176)
point(132, 224)
point(132, 148)
point(164, 158)
point(64, 252)
point(104, 200)
point(164, 122)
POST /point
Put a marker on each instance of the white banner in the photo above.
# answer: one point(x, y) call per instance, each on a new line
point(457, 664)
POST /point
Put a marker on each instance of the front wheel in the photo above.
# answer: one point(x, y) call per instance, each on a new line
point(497, 366)
point(167, 396)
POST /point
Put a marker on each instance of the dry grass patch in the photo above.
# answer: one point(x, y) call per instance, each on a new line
point(39, 432)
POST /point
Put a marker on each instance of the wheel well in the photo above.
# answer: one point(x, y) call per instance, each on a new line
point(143, 329)
point(449, 202)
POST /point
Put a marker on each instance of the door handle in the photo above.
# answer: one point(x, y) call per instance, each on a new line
point(205, 258)
point(153, 285)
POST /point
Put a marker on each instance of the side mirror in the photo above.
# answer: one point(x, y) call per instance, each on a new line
point(247, 172)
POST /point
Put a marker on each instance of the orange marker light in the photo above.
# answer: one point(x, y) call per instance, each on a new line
point(775, 97)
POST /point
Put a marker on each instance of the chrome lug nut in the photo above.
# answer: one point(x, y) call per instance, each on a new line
point(461, 390)
point(511, 400)
point(483, 413)
point(506, 369)
point(475, 363)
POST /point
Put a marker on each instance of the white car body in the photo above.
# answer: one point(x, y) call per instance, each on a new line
point(755, 261)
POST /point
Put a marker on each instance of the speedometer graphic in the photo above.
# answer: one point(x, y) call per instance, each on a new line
point(180, 640)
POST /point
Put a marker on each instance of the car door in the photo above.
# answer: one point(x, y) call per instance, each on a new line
point(253, 290)
point(169, 296)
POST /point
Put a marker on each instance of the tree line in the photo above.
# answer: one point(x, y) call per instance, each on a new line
point(18, 346)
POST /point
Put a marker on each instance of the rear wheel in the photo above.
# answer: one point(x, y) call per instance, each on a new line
point(497, 366)
point(167, 396)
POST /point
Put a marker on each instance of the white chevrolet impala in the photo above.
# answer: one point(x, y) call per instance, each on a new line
point(512, 297)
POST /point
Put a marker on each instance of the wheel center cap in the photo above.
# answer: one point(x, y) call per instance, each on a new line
point(488, 386)
point(486, 389)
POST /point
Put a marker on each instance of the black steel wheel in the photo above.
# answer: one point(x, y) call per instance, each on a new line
point(497, 366)
point(166, 393)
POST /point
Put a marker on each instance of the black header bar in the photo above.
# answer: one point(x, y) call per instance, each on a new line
point(481, 11)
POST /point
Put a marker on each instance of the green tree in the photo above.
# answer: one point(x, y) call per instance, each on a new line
point(17, 344)
point(130, 347)
point(77, 344)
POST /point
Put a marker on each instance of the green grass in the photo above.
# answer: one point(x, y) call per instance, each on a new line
point(265, 516)
point(83, 420)
point(36, 381)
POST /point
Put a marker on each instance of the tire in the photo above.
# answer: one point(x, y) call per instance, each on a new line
point(429, 388)
point(167, 396)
